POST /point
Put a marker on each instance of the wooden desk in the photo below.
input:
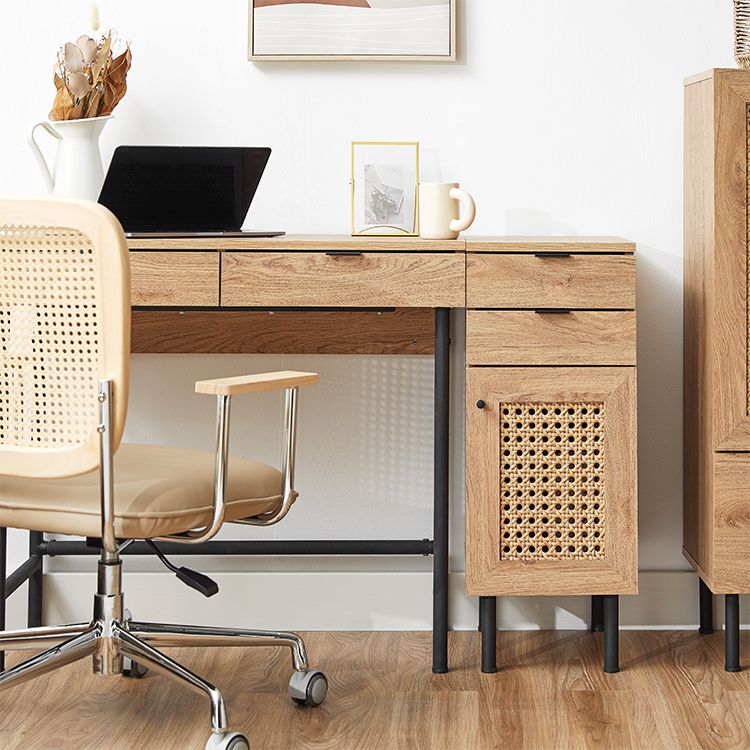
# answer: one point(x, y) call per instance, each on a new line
point(275, 296)
point(536, 306)
point(321, 295)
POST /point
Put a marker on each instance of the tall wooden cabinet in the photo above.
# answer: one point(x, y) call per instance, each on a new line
point(716, 514)
point(551, 425)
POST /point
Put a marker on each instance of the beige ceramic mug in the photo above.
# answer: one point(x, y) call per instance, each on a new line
point(440, 208)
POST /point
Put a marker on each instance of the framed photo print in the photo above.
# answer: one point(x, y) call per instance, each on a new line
point(385, 188)
point(404, 30)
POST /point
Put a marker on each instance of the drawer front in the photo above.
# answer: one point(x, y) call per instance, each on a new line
point(551, 481)
point(174, 279)
point(335, 280)
point(525, 337)
point(543, 280)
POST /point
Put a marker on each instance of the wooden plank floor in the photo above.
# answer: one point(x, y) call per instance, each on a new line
point(551, 693)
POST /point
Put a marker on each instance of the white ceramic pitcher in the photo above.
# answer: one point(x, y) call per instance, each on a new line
point(78, 170)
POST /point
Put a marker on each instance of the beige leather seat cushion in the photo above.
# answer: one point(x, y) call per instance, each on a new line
point(158, 490)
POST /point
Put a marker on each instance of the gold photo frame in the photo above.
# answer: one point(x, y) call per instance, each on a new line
point(433, 39)
point(385, 188)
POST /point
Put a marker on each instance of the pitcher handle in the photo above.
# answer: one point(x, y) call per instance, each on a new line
point(469, 210)
point(46, 174)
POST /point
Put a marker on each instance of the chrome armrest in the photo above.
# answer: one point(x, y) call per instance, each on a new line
point(224, 389)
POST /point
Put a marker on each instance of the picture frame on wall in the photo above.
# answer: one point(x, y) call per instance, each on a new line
point(395, 30)
point(385, 188)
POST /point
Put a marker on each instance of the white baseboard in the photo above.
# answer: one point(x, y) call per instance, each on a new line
point(356, 601)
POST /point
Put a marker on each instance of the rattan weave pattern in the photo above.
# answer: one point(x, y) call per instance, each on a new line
point(552, 493)
point(49, 337)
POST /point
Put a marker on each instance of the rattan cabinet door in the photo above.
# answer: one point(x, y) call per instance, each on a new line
point(551, 481)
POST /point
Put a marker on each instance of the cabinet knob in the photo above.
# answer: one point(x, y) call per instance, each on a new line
point(481, 404)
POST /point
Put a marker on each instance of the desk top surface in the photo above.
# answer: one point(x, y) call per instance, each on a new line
point(329, 242)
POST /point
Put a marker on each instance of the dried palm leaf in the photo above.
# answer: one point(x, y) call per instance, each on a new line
point(89, 80)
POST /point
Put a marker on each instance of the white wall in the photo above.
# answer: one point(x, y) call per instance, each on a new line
point(560, 118)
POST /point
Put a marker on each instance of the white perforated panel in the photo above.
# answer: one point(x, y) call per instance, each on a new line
point(49, 337)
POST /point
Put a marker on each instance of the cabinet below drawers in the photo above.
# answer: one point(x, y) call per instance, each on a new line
point(525, 337)
point(174, 279)
point(319, 279)
point(551, 481)
point(551, 280)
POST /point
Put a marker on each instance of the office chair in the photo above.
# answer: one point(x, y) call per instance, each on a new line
point(64, 366)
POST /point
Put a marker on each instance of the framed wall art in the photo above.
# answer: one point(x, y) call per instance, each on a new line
point(403, 30)
point(385, 188)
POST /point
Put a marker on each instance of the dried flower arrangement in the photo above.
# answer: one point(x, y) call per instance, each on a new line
point(89, 79)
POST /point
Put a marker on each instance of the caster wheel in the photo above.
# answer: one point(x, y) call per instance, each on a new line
point(132, 668)
point(308, 688)
point(227, 741)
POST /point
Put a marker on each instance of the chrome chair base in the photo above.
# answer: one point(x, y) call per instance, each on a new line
point(112, 636)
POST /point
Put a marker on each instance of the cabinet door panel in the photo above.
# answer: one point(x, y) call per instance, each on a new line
point(551, 481)
point(726, 277)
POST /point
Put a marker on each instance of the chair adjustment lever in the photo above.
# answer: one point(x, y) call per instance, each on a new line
point(198, 581)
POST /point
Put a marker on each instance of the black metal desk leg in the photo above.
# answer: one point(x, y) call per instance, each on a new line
point(706, 609)
point(597, 613)
point(3, 576)
point(441, 508)
point(488, 628)
point(36, 582)
point(611, 633)
point(732, 632)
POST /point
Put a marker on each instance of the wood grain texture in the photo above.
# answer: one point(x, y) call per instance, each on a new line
point(726, 284)
point(524, 337)
point(256, 383)
point(403, 331)
point(550, 692)
point(174, 278)
point(301, 242)
point(729, 571)
point(697, 333)
point(320, 280)
point(525, 280)
point(536, 244)
point(486, 573)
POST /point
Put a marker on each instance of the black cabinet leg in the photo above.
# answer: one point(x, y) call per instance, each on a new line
point(732, 632)
point(440, 559)
point(611, 606)
point(597, 613)
point(488, 628)
point(3, 575)
point(36, 582)
point(706, 609)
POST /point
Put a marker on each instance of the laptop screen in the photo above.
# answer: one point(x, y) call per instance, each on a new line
point(182, 188)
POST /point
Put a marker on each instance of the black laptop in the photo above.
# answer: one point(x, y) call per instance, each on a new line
point(184, 191)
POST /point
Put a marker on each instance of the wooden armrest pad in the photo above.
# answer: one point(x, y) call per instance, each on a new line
point(262, 381)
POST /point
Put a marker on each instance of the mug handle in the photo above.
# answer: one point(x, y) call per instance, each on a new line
point(46, 174)
point(469, 210)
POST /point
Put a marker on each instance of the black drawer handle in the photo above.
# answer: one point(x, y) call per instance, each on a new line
point(551, 255)
point(552, 311)
point(343, 253)
point(481, 404)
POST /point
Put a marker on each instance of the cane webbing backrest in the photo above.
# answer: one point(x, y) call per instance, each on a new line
point(64, 326)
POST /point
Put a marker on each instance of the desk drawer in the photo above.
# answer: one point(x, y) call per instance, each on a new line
point(544, 280)
point(330, 280)
point(525, 337)
point(174, 279)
